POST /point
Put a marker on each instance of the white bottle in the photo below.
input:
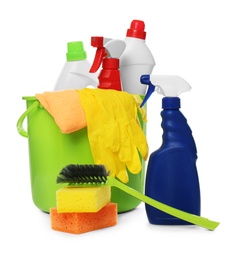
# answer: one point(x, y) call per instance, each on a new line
point(136, 59)
point(75, 73)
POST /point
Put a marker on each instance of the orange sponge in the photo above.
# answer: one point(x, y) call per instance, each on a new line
point(78, 223)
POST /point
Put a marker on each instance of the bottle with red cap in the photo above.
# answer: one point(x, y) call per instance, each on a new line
point(136, 60)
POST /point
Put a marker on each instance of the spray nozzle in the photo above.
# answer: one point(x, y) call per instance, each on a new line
point(166, 85)
point(98, 42)
point(145, 79)
point(106, 47)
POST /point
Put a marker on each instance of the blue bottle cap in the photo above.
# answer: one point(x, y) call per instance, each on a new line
point(171, 103)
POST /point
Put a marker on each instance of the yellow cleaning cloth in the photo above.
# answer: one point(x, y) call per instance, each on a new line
point(65, 108)
point(114, 133)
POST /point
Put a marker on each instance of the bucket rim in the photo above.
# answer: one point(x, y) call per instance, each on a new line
point(29, 98)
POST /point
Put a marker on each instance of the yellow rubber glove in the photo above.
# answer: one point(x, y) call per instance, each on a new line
point(142, 110)
point(124, 107)
point(134, 137)
point(113, 131)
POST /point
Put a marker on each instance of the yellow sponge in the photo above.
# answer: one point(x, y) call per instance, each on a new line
point(80, 199)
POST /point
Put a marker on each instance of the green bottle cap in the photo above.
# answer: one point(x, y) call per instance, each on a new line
point(76, 51)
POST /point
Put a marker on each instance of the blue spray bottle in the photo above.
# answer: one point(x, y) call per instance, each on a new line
point(171, 176)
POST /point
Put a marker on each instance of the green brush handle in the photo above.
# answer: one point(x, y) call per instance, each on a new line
point(194, 219)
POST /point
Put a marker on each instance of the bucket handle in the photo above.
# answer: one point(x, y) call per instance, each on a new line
point(21, 131)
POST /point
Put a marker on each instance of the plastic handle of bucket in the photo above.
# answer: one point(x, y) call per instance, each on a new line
point(21, 131)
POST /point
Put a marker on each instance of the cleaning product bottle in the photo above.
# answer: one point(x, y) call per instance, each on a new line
point(136, 59)
point(171, 175)
point(75, 73)
point(109, 77)
point(107, 54)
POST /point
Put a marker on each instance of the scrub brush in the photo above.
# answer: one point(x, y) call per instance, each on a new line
point(85, 175)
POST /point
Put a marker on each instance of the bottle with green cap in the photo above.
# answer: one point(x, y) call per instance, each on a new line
point(75, 73)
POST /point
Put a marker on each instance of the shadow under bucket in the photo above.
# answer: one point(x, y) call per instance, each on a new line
point(50, 151)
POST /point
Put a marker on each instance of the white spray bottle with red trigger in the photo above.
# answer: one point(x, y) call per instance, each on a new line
point(107, 54)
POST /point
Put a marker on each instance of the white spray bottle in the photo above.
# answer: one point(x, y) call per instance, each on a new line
point(136, 59)
point(75, 73)
point(107, 53)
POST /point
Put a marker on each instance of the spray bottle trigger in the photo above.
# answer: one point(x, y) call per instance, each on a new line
point(145, 79)
point(98, 42)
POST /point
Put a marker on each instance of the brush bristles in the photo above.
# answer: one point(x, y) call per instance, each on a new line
point(83, 173)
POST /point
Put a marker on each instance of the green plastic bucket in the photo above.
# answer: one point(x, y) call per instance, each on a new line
point(50, 151)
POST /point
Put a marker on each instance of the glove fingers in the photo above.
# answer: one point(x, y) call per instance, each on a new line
point(139, 139)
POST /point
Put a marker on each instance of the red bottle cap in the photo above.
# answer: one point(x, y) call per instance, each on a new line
point(137, 30)
point(110, 63)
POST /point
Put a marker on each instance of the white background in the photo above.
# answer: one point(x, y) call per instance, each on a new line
point(197, 40)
